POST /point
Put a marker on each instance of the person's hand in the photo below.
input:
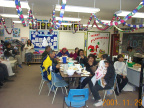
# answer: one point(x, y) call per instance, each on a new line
point(58, 66)
point(26, 48)
point(90, 63)
point(94, 68)
point(124, 76)
point(82, 57)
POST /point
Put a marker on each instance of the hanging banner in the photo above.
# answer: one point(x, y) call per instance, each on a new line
point(37, 38)
point(43, 25)
point(98, 43)
point(65, 27)
point(48, 25)
point(38, 24)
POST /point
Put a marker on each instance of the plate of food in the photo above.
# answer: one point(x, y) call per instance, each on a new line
point(85, 72)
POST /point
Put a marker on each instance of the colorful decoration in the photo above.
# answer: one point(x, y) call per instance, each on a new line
point(61, 13)
point(3, 22)
point(21, 17)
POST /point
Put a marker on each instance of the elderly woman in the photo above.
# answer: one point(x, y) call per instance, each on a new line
point(63, 52)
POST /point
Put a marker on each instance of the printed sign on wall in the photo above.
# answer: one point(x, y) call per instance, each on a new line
point(98, 43)
point(38, 37)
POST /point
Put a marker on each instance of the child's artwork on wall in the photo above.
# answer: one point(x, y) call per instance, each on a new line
point(98, 43)
point(7, 39)
point(1, 32)
point(24, 39)
point(38, 37)
point(16, 32)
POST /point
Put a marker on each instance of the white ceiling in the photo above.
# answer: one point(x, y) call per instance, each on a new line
point(43, 8)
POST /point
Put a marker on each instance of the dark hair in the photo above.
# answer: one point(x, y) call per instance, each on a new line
point(80, 51)
point(91, 55)
point(76, 49)
point(106, 62)
point(129, 47)
point(104, 56)
point(51, 51)
point(7, 44)
point(119, 56)
point(108, 58)
point(47, 47)
point(30, 42)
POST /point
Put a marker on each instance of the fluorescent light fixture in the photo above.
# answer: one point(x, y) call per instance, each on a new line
point(105, 21)
point(68, 19)
point(17, 21)
point(65, 23)
point(80, 9)
point(12, 15)
point(91, 25)
point(11, 4)
point(125, 13)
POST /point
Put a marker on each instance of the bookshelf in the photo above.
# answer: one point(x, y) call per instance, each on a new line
point(36, 58)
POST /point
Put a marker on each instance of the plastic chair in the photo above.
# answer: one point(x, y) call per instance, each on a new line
point(113, 89)
point(43, 80)
point(57, 82)
point(76, 98)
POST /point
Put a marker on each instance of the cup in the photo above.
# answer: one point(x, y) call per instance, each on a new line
point(64, 59)
point(65, 67)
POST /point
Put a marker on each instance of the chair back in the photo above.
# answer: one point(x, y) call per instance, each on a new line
point(54, 78)
point(84, 93)
point(41, 71)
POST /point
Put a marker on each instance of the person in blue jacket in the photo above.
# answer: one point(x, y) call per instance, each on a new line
point(63, 52)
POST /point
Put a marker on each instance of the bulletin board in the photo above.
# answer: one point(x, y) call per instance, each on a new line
point(135, 40)
point(71, 41)
point(38, 36)
point(98, 43)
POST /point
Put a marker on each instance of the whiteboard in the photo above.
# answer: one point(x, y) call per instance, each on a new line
point(70, 40)
point(98, 42)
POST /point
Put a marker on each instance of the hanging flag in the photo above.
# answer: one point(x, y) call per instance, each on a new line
point(43, 25)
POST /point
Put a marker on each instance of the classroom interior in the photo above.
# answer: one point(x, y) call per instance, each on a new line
point(104, 31)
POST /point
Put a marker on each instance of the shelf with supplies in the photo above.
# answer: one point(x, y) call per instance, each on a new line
point(36, 58)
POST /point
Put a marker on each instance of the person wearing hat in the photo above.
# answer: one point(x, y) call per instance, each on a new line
point(63, 52)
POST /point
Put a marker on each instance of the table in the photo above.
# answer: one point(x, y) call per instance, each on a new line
point(75, 75)
point(13, 63)
point(133, 76)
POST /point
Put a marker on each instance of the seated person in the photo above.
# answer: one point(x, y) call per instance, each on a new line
point(131, 52)
point(81, 58)
point(11, 53)
point(6, 64)
point(49, 66)
point(74, 56)
point(109, 79)
point(3, 73)
point(101, 71)
point(121, 70)
point(46, 52)
point(63, 52)
point(91, 66)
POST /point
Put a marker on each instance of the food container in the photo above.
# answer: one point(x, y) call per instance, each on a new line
point(70, 72)
point(130, 64)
